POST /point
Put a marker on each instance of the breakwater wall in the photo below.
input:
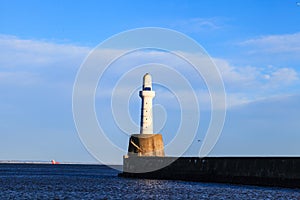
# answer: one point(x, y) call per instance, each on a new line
point(265, 171)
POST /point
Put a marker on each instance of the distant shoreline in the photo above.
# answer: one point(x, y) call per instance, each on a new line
point(48, 162)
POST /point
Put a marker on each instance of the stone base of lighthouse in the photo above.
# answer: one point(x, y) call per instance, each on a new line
point(146, 145)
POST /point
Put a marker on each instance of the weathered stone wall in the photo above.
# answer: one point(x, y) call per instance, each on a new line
point(146, 145)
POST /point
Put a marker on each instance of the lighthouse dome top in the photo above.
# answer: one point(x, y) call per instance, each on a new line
point(147, 82)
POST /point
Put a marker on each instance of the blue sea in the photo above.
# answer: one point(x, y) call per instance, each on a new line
point(45, 181)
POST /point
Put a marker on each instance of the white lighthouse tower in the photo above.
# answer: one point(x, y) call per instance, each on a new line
point(146, 112)
point(146, 143)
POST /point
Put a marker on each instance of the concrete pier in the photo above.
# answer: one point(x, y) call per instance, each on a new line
point(263, 171)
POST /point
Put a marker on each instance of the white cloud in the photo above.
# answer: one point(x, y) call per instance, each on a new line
point(197, 24)
point(283, 76)
point(243, 84)
point(248, 84)
point(237, 76)
point(249, 77)
point(26, 62)
point(286, 43)
point(22, 61)
point(18, 78)
point(16, 52)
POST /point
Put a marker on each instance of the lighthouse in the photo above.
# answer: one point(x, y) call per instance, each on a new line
point(146, 143)
point(147, 95)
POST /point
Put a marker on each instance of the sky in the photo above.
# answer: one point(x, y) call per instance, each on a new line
point(254, 44)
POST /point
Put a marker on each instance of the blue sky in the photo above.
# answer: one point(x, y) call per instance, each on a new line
point(255, 45)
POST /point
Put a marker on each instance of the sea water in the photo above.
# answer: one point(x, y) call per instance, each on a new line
point(43, 181)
